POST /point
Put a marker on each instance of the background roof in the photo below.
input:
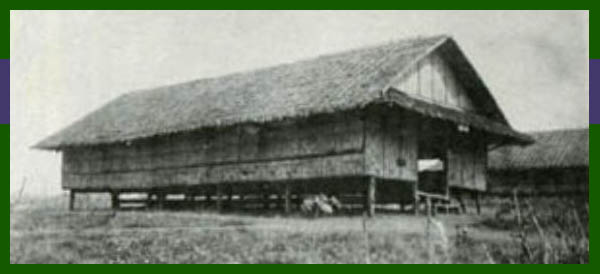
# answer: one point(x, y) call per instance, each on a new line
point(555, 148)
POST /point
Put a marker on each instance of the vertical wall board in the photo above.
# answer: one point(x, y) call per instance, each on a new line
point(425, 77)
point(373, 144)
point(198, 157)
point(411, 83)
point(392, 145)
point(466, 163)
point(481, 166)
point(69, 163)
point(410, 137)
point(453, 88)
point(401, 146)
point(231, 146)
point(329, 166)
point(250, 136)
point(223, 146)
point(435, 81)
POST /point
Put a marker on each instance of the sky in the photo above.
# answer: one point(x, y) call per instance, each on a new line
point(65, 64)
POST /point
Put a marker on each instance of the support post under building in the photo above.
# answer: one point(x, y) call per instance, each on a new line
point(287, 197)
point(219, 197)
point(370, 196)
point(115, 202)
point(416, 197)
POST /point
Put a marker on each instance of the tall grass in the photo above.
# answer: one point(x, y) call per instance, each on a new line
point(534, 230)
point(545, 230)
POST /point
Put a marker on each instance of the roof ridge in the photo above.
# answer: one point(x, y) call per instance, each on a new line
point(293, 62)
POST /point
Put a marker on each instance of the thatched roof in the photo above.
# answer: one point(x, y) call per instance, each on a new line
point(325, 84)
point(552, 149)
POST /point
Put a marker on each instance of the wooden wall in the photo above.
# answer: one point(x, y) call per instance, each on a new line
point(433, 80)
point(324, 146)
point(392, 145)
point(382, 142)
point(467, 163)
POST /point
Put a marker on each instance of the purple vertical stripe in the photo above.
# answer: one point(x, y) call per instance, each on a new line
point(5, 91)
point(594, 91)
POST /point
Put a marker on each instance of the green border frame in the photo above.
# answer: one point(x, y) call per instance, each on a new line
point(310, 5)
point(306, 4)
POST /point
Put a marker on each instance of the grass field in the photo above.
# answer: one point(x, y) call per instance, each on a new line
point(42, 231)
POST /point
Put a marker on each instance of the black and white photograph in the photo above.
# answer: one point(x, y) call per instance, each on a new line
point(299, 137)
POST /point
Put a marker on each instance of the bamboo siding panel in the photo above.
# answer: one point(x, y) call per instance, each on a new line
point(374, 145)
point(326, 166)
point(223, 146)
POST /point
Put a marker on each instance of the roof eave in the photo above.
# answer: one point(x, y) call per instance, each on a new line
point(432, 110)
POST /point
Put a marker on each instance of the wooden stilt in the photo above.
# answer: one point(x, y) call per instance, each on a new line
point(279, 203)
point(208, 198)
point(161, 198)
point(242, 203)
point(148, 200)
point(477, 203)
point(218, 198)
point(461, 202)
point(429, 208)
point(189, 200)
point(298, 201)
point(416, 198)
point(196, 205)
point(370, 197)
point(230, 197)
point(116, 203)
point(266, 197)
point(449, 196)
point(266, 204)
point(287, 199)
point(72, 200)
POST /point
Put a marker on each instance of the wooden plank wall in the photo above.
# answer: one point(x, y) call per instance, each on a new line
point(467, 164)
point(433, 80)
point(327, 166)
point(327, 146)
point(391, 145)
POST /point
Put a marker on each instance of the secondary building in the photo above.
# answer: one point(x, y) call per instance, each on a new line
point(557, 164)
